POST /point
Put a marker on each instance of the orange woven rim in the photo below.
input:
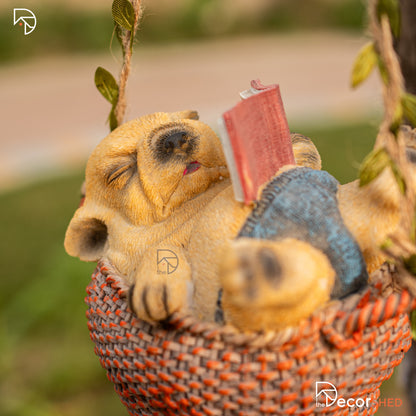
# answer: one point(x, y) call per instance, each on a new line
point(196, 368)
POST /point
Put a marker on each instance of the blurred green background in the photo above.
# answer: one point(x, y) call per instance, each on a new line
point(46, 357)
point(73, 26)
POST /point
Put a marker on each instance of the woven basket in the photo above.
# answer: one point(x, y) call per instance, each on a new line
point(197, 369)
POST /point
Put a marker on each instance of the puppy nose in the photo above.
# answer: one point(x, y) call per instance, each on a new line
point(175, 141)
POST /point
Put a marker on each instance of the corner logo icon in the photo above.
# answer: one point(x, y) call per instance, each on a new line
point(326, 394)
point(25, 18)
point(167, 261)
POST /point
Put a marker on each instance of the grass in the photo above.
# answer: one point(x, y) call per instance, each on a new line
point(67, 30)
point(46, 357)
point(342, 148)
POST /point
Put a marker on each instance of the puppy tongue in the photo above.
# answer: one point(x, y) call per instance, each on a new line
point(192, 167)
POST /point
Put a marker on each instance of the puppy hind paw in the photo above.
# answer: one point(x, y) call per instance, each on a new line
point(250, 269)
point(270, 285)
point(269, 266)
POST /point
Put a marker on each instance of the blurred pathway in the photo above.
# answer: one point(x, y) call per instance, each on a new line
point(52, 116)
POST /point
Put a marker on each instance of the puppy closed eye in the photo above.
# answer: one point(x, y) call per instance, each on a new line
point(119, 175)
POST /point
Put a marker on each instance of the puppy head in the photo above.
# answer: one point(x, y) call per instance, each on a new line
point(139, 175)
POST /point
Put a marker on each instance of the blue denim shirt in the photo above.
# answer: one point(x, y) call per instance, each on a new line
point(302, 203)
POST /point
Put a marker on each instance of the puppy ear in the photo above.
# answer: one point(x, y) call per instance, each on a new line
point(86, 238)
point(186, 114)
point(305, 152)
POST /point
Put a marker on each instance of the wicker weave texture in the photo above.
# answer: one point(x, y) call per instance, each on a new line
point(200, 369)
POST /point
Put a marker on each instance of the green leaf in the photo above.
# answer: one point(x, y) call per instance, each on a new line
point(413, 230)
point(112, 119)
point(374, 163)
point(123, 14)
point(401, 183)
point(119, 35)
point(397, 120)
point(383, 70)
point(413, 323)
point(410, 264)
point(386, 244)
point(409, 107)
point(364, 63)
point(392, 10)
point(106, 84)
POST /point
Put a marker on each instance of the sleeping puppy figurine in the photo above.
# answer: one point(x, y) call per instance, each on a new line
point(159, 206)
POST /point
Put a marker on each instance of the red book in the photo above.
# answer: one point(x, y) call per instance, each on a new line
point(256, 140)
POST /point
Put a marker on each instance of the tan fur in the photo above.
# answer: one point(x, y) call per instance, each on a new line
point(263, 299)
point(305, 152)
point(137, 204)
point(371, 213)
point(153, 206)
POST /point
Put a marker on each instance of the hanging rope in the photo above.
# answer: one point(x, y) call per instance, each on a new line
point(393, 140)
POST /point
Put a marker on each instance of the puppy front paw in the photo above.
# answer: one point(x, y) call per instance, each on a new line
point(155, 302)
point(269, 285)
